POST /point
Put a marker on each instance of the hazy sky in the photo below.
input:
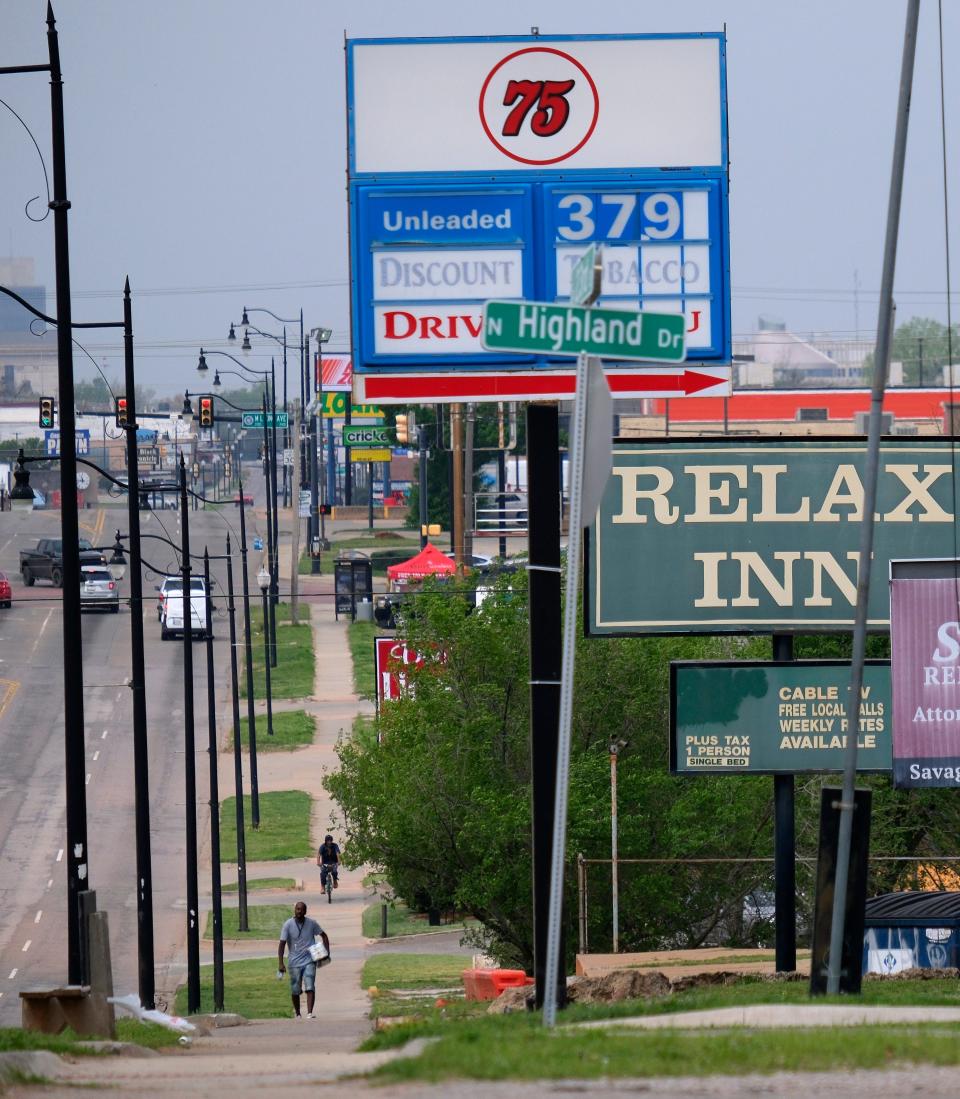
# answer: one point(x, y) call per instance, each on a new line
point(206, 155)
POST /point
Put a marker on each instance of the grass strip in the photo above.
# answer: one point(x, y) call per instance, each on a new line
point(520, 1048)
point(263, 922)
point(360, 636)
point(386, 971)
point(293, 677)
point(255, 884)
point(291, 729)
point(401, 921)
point(251, 988)
point(284, 831)
point(151, 1035)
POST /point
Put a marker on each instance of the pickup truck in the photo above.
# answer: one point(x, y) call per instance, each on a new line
point(45, 562)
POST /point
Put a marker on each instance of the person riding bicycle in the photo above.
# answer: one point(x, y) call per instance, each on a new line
point(328, 859)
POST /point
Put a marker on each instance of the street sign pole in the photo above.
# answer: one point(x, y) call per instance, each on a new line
point(574, 541)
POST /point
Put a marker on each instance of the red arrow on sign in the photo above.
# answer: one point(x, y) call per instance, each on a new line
point(686, 382)
point(533, 385)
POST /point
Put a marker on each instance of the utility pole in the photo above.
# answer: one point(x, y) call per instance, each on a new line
point(456, 495)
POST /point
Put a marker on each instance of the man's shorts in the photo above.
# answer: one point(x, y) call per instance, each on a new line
point(305, 974)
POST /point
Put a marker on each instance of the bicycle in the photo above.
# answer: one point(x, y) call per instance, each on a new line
point(327, 872)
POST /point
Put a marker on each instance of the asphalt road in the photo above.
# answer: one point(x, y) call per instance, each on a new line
point(32, 828)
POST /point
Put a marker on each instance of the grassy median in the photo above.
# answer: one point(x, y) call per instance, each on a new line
point(291, 729)
point(251, 988)
point(255, 884)
point(518, 1047)
point(284, 831)
point(361, 635)
point(263, 921)
point(293, 677)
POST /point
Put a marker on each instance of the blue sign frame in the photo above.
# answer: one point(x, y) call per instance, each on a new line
point(479, 235)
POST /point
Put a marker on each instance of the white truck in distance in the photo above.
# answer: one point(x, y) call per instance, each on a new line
point(172, 612)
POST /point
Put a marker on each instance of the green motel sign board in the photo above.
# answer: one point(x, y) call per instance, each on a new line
point(532, 327)
point(703, 536)
point(740, 717)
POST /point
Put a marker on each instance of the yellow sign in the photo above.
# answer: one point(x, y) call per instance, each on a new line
point(369, 454)
point(335, 404)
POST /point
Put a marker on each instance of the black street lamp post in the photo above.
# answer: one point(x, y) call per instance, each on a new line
point(263, 580)
point(270, 471)
point(251, 717)
point(190, 762)
point(237, 757)
point(215, 880)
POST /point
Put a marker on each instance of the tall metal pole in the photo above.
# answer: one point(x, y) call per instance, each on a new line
point(316, 427)
point(266, 659)
point(422, 472)
point(275, 569)
point(456, 498)
point(141, 779)
point(189, 757)
point(543, 444)
point(237, 754)
point(784, 849)
point(215, 881)
point(251, 718)
point(614, 855)
point(286, 430)
point(880, 368)
point(77, 855)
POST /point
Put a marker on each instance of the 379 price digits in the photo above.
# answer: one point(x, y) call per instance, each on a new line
point(619, 216)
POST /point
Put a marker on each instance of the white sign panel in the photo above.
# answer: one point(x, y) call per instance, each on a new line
point(608, 103)
point(429, 274)
point(436, 329)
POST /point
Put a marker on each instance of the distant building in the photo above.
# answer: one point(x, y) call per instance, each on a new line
point(28, 362)
point(774, 357)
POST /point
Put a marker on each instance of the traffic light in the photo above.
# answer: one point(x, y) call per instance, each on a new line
point(403, 428)
point(206, 411)
point(48, 408)
point(121, 411)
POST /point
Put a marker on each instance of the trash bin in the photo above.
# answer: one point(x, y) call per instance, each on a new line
point(911, 930)
point(364, 611)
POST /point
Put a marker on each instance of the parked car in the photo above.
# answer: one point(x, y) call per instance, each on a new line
point(173, 620)
point(473, 560)
point(45, 562)
point(98, 589)
point(6, 593)
point(174, 584)
point(247, 500)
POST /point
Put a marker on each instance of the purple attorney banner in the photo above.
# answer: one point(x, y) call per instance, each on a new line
point(925, 680)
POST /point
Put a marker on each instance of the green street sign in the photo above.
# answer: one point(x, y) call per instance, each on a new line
point(586, 277)
point(745, 717)
point(257, 419)
point(375, 435)
point(533, 328)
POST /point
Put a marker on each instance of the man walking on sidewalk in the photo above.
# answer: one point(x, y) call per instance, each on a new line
point(299, 933)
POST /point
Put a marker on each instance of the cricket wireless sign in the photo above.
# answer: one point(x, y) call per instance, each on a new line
point(483, 169)
point(697, 537)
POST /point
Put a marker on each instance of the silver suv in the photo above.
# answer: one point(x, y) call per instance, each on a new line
point(98, 590)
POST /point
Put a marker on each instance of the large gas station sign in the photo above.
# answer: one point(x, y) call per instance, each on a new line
point(484, 169)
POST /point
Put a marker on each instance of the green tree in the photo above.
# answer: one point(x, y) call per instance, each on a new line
point(922, 345)
point(441, 803)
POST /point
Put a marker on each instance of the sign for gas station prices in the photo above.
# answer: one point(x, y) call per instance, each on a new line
point(484, 169)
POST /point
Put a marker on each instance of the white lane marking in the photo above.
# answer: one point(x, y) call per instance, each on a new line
point(13, 974)
point(89, 776)
point(42, 628)
point(103, 735)
point(96, 756)
point(60, 855)
point(50, 884)
point(26, 946)
point(36, 918)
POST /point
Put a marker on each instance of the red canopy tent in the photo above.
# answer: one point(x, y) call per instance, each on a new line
point(428, 562)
